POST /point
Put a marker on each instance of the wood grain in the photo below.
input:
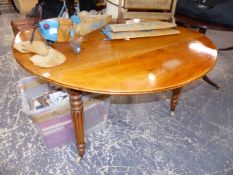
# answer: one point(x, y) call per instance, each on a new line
point(175, 98)
point(173, 10)
point(76, 106)
point(147, 9)
point(137, 66)
point(146, 15)
point(148, 4)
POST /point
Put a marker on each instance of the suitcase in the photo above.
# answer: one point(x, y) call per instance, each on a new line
point(22, 24)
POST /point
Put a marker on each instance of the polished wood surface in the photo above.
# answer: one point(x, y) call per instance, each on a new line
point(137, 66)
point(175, 98)
point(76, 107)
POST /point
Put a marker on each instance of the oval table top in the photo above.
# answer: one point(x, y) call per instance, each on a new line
point(136, 66)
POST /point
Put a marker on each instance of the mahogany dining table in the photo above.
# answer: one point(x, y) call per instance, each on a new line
point(125, 67)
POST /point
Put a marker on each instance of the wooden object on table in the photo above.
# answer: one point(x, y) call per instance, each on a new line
point(147, 9)
point(22, 24)
point(139, 66)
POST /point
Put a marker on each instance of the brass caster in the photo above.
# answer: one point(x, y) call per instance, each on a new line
point(78, 159)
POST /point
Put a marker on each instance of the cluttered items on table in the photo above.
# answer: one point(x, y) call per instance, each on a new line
point(138, 30)
point(61, 29)
point(65, 30)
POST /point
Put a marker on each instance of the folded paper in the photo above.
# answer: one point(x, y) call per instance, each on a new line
point(139, 26)
point(138, 30)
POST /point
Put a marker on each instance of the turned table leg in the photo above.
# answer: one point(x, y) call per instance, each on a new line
point(206, 79)
point(202, 30)
point(76, 107)
point(175, 99)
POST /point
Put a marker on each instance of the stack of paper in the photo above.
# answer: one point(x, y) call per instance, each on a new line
point(136, 30)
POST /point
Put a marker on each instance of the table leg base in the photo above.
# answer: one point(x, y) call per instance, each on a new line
point(202, 30)
point(210, 82)
point(76, 107)
point(78, 159)
point(172, 113)
point(81, 149)
point(225, 49)
point(175, 99)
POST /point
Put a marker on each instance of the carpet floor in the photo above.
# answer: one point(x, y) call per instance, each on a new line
point(141, 137)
